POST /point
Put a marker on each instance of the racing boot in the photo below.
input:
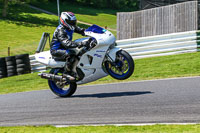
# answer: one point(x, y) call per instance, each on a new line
point(68, 73)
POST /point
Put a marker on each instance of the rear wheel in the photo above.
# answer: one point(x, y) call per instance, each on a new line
point(122, 68)
point(61, 89)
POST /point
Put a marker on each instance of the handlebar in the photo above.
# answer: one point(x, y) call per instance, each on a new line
point(91, 44)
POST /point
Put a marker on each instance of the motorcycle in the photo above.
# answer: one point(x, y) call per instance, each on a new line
point(99, 58)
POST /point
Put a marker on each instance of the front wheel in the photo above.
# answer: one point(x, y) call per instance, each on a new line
point(122, 68)
point(59, 88)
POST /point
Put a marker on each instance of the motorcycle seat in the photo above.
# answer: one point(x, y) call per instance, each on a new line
point(59, 59)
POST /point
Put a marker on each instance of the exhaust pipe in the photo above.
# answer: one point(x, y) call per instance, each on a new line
point(52, 77)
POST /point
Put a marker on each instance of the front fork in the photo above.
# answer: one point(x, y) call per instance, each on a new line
point(111, 56)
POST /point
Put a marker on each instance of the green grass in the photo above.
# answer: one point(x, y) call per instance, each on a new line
point(21, 39)
point(101, 17)
point(21, 83)
point(181, 65)
point(22, 31)
point(105, 129)
point(23, 28)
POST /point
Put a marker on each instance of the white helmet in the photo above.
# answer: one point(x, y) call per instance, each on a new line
point(68, 19)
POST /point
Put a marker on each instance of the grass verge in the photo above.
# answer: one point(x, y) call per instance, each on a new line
point(181, 65)
point(102, 17)
point(23, 28)
point(105, 129)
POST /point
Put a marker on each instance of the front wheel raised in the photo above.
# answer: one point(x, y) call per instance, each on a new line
point(60, 89)
point(122, 68)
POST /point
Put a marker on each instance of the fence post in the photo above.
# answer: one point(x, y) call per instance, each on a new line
point(8, 51)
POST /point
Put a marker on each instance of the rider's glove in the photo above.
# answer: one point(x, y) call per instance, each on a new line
point(83, 32)
point(93, 43)
point(82, 44)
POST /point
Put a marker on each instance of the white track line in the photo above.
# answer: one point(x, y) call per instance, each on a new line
point(139, 124)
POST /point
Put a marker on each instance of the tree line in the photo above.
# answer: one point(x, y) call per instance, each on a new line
point(113, 4)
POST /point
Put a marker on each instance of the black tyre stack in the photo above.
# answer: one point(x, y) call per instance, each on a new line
point(14, 65)
point(23, 64)
point(11, 66)
point(3, 68)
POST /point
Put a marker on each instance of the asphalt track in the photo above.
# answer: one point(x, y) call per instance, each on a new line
point(157, 101)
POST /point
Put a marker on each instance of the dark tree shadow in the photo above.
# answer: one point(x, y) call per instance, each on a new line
point(113, 94)
point(18, 14)
point(75, 8)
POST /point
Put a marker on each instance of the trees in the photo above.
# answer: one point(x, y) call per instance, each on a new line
point(7, 2)
point(120, 4)
point(5, 8)
point(124, 5)
point(114, 4)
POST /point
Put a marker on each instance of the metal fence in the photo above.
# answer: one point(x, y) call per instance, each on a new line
point(35, 65)
point(162, 20)
point(151, 46)
point(161, 45)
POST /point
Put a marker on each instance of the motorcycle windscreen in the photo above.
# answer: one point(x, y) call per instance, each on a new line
point(96, 29)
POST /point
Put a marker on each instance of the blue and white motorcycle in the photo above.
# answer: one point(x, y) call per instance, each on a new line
point(98, 59)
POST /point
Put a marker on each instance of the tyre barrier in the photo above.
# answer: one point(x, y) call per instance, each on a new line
point(23, 64)
point(3, 68)
point(14, 65)
point(11, 66)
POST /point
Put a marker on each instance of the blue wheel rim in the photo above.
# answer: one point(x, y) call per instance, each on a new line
point(120, 64)
point(56, 89)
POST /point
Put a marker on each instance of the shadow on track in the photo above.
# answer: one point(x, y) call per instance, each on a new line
point(113, 94)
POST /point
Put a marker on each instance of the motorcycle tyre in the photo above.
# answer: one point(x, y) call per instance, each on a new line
point(59, 91)
point(131, 65)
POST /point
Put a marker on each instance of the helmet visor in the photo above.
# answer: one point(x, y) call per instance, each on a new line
point(71, 22)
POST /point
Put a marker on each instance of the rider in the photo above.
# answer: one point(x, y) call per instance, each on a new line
point(62, 41)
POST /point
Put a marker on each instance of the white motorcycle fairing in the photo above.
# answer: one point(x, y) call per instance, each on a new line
point(96, 59)
point(46, 59)
point(91, 62)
